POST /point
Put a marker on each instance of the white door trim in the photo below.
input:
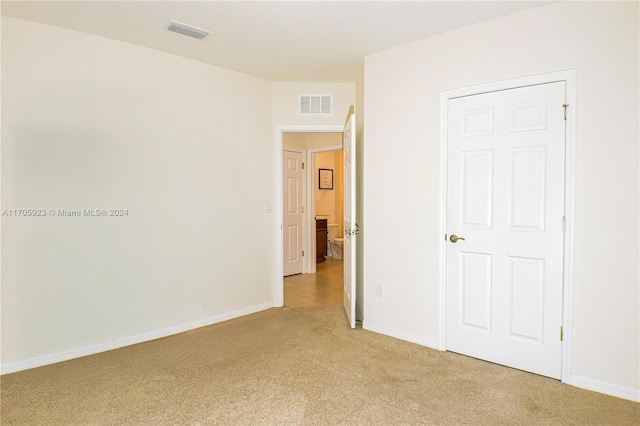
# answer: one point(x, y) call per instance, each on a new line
point(278, 280)
point(569, 76)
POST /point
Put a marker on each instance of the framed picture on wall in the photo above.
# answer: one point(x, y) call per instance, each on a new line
point(325, 179)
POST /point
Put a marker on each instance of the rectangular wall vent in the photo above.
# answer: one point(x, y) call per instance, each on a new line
point(316, 104)
point(188, 30)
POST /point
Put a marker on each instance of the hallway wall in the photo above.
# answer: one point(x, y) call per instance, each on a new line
point(310, 140)
point(285, 102)
point(330, 202)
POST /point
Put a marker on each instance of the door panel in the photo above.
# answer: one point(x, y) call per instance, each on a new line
point(293, 213)
point(350, 227)
point(475, 283)
point(505, 197)
point(477, 185)
point(526, 285)
point(527, 191)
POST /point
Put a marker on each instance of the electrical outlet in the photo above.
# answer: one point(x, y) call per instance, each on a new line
point(379, 290)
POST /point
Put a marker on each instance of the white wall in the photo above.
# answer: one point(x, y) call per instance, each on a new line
point(323, 139)
point(285, 102)
point(90, 122)
point(294, 141)
point(330, 202)
point(310, 140)
point(325, 200)
point(401, 165)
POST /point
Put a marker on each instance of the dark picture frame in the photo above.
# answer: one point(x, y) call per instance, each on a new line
point(325, 179)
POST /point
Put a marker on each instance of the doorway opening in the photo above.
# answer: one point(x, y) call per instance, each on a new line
point(312, 216)
point(278, 279)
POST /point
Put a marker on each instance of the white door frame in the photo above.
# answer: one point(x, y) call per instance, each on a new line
point(569, 76)
point(278, 289)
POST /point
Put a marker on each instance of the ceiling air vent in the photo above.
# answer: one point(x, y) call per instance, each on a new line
point(187, 30)
point(316, 104)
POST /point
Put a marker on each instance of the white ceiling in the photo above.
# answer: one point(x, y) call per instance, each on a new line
point(273, 40)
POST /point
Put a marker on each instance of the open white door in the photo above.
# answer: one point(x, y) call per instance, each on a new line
point(350, 227)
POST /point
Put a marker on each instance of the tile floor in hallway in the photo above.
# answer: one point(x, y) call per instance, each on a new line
point(320, 289)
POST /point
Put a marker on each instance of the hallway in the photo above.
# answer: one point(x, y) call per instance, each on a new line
point(324, 288)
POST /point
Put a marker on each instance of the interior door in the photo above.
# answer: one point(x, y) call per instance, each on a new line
point(293, 212)
point(350, 227)
point(505, 220)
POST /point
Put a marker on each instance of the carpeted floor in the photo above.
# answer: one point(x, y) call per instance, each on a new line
point(294, 366)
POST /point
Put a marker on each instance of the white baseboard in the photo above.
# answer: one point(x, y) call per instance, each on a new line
point(606, 388)
point(403, 335)
point(581, 382)
point(103, 347)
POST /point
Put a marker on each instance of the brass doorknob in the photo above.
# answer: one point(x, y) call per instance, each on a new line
point(454, 238)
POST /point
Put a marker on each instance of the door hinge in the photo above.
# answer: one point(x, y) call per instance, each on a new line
point(302, 253)
point(303, 163)
point(564, 223)
point(302, 209)
point(564, 106)
point(560, 333)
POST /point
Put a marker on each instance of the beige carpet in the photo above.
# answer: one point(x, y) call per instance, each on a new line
point(294, 366)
